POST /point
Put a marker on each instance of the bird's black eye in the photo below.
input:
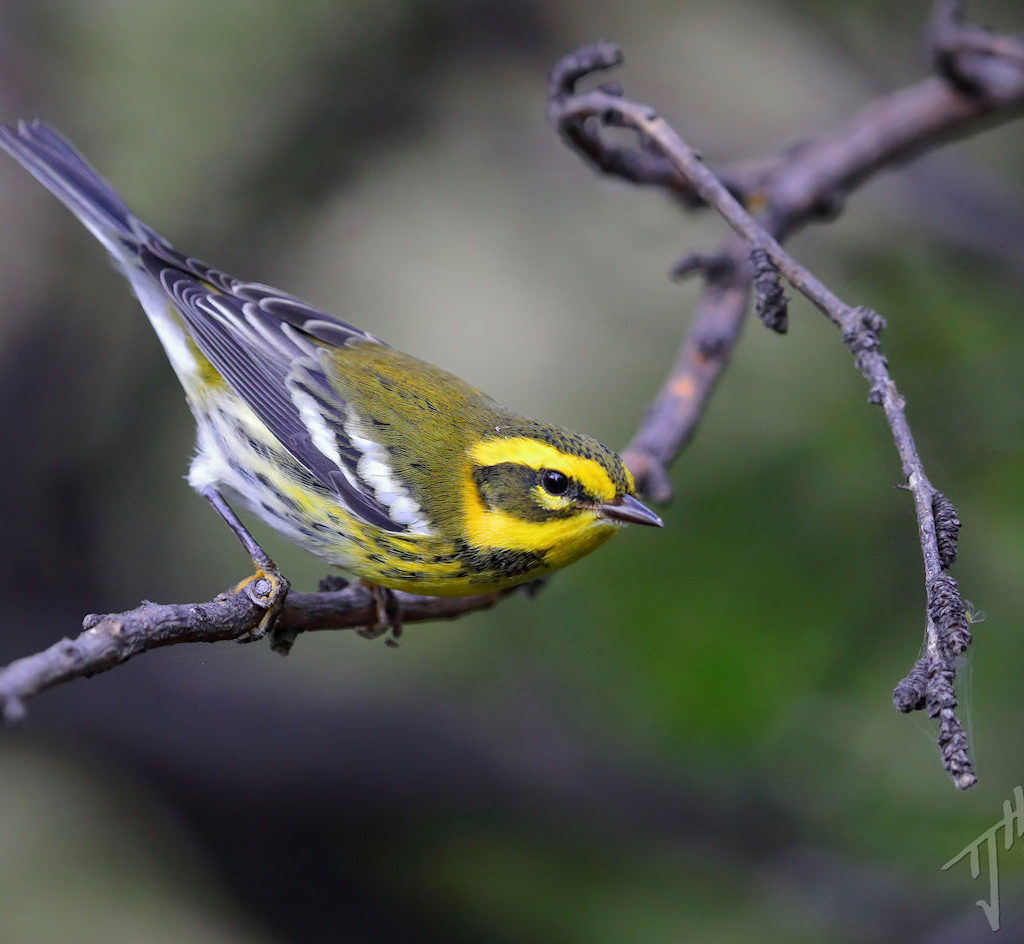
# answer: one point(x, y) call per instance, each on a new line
point(555, 483)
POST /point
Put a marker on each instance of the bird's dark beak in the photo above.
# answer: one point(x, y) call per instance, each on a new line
point(628, 509)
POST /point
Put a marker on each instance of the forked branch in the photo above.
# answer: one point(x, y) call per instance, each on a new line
point(584, 116)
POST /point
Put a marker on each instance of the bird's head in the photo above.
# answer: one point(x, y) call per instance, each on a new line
point(549, 491)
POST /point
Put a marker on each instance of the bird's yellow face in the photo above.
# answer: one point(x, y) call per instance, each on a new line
point(553, 496)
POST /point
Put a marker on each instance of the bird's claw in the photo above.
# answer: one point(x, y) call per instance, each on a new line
point(267, 589)
point(389, 616)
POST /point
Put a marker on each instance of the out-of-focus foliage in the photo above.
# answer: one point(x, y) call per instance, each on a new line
point(689, 735)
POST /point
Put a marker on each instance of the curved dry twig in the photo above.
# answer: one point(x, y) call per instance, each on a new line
point(931, 683)
point(806, 183)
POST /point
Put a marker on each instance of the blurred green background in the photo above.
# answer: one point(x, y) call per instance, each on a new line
point(688, 735)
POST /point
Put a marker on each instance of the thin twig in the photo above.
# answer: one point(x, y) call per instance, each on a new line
point(947, 631)
point(672, 418)
point(977, 60)
point(806, 183)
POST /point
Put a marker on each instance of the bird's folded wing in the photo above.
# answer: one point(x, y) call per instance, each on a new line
point(264, 344)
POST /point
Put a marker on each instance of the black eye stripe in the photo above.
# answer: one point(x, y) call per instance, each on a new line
point(554, 482)
point(511, 487)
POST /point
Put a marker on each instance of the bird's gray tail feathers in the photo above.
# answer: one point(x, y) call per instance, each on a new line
point(55, 163)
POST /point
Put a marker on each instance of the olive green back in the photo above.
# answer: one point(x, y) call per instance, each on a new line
point(426, 418)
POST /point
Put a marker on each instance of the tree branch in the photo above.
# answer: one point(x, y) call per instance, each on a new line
point(947, 631)
point(109, 640)
point(806, 183)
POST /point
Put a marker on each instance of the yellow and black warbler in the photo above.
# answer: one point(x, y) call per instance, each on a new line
point(381, 463)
